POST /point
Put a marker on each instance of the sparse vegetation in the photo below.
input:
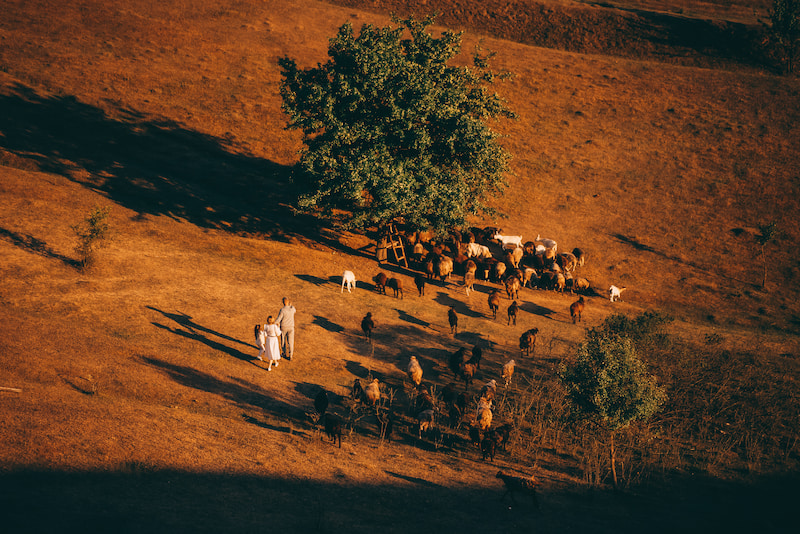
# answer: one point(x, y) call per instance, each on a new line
point(609, 385)
point(92, 234)
point(784, 32)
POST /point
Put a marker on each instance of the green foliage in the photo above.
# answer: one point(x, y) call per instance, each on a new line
point(92, 233)
point(784, 31)
point(645, 330)
point(609, 384)
point(392, 131)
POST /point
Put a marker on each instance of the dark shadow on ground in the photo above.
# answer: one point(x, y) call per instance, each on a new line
point(535, 309)
point(154, 166)
point(241, 393)
point(461, 308)
point(140, 497)
point(328, 325)
point(35, 245)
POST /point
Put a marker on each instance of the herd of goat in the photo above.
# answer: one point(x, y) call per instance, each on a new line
point(478, 254)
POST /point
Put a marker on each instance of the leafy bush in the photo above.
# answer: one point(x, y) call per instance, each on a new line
point(92, 233)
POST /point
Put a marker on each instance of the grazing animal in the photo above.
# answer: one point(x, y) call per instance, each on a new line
point(494, 302)
point(515, 484)
point(576, 309)
point(457, 360)
point(367, 325)
point(373, 392)
point(527, 342)
point(452, 318)
point(498, 271)
point(512, 287)
point(333, 428)
point(415, 371)
point(615, 293)
point(467, 373)
point(321, 403)
point(348, 280)
point(512, 313)
point(580, 256)
point(425, 421)
point(508, 371)
point(513, 257)
point(357, 393)
point(488, 448)
point(469, 282)
point(444, 267)
point(501, 434)
point(419, 281)
point(380, 282)
point(561, 282)
point(476, 250)
point(508, 241)
point(483, 417)
point(548, 244)
point(548, 280)
point(397, 286)
point(489, 390)
point(567, 261)
point(477, 355)
point(475, 435)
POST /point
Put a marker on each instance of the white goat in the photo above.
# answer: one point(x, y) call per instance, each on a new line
point(548, 243)
point(614, 293)
point(349, 280)
point(509, 241)
point(476, 250)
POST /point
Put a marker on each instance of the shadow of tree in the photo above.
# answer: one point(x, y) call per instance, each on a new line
point(36, 246)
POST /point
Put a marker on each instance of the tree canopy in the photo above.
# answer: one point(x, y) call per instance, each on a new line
point(392, 131)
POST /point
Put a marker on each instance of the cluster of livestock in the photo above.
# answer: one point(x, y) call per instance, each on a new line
point(478, 254)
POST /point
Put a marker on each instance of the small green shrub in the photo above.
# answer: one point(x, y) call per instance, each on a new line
point(92, 233)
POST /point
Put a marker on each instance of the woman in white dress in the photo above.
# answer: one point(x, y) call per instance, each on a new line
point(261, 341)
point(273, 345)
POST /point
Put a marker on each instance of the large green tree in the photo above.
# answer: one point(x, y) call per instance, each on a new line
point(391, 130)
point(784, 31)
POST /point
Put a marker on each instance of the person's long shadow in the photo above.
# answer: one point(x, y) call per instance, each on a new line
point(191, 330)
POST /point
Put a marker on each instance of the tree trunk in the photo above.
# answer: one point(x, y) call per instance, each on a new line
point(613, 461)
point(764, 259)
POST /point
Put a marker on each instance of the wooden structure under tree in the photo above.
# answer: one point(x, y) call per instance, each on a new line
point(391, 239)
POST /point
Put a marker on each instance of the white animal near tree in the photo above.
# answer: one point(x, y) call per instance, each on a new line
point(348, 280)
point(614, 293)
point(509, 241)
point(547, 243)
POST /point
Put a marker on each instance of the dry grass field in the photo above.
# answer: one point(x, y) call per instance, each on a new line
point(651, 134)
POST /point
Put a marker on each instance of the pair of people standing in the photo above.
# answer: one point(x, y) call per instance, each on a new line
point(268, 336)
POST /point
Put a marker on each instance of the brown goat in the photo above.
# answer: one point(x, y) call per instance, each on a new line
point(380, 282)
point(576, 309)
point(527, 342)
point(397, 285)
point(494, 302)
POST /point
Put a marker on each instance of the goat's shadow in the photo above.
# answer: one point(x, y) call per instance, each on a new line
point(462, 308)
point(310, 278)
point(327, 324)
point(360, 372)
point(535, 309)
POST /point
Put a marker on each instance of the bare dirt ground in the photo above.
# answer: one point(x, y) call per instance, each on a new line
point(142, 408)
